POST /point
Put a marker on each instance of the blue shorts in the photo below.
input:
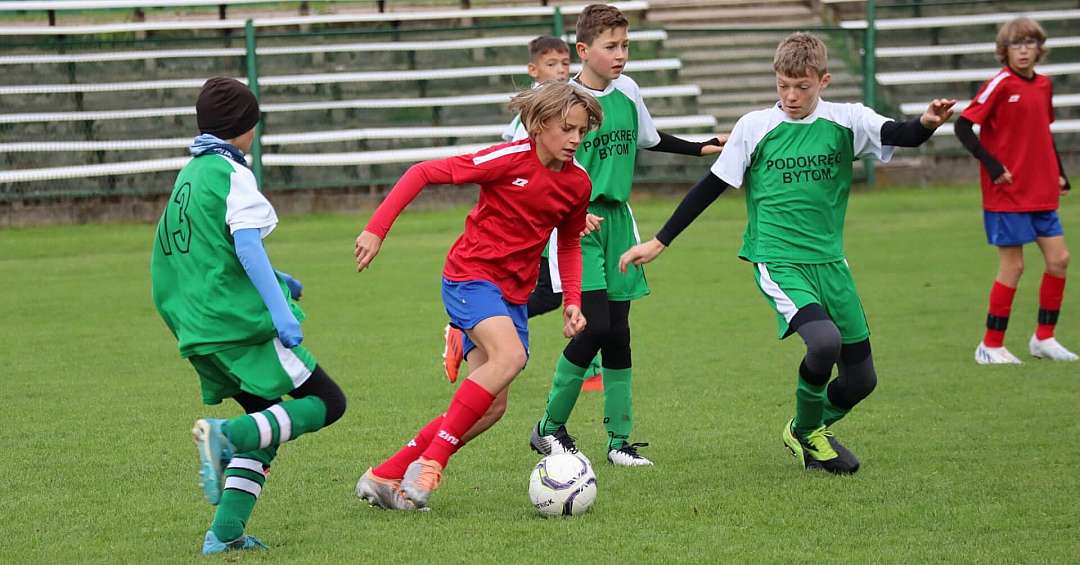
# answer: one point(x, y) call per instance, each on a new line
point(1018, 228)
point(470, 302)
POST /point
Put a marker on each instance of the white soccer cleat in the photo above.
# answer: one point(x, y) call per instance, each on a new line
point(1049, 348)
point(628, 456)
point(994, 356)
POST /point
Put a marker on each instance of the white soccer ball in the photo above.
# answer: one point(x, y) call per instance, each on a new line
point(562, 485)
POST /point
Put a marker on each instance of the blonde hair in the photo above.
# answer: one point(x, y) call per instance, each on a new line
point(1020, 29)
point(553, 99)
point(800, 54)
point(595, 19)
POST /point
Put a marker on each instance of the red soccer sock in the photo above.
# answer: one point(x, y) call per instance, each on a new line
point(394, 467)
point(1051, 293)
point(469, 403)
point(1001, 298)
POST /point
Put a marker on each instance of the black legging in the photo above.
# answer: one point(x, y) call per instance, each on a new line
point(318, 384)
point(607, 330)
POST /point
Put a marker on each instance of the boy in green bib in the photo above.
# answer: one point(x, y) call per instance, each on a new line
point(794, 162)
point(235, 318)
point(609, 155)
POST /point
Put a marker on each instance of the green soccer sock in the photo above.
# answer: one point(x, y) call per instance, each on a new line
point(244, 480)
point(565, 388)
point(809, 407)
point(276, 425)
point(618, 406)
point(831, 414)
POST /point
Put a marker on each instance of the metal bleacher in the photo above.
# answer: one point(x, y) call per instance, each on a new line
point(349, 99)
point(945, 49)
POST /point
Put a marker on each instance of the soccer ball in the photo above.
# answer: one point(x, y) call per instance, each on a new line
point(562, 485)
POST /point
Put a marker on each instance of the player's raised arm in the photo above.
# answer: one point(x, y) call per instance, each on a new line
point(405, 191)
point(704, 193)
point(671, 144)
point(916, 131)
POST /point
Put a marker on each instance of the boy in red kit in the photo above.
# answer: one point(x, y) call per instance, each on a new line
point(1022, 180)
point(527, 189)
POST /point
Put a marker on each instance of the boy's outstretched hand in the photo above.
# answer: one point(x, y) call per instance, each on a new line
point(716, 146)
point(938, 112)
point(367, 247)
point(641, 253)
point(573, 321)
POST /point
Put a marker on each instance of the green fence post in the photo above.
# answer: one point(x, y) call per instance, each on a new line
point(253, 84)
point(870, 73)
point(557, 23)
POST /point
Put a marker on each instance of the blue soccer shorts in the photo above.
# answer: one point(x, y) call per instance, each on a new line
point(1018, 228)
point(470, 302)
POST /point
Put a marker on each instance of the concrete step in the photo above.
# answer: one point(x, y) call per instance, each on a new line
point(685, 41)
point(677, 4)
point(744, 54)
point(731, 15)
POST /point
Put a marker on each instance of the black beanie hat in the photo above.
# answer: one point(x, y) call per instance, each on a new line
point(226, 108)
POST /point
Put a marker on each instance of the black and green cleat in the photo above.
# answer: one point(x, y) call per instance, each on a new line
point(820, 450)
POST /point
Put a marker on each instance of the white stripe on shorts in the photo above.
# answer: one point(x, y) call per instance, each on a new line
point(633, 222)
point(246, 485)
point(284, 423)
point(245, 463)
point(291, 364)
point(266, 434)
point(553, 262)
point(784, 304)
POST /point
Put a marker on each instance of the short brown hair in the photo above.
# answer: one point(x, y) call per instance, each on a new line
point(553, 99)
point(595, 19)
point(1018, 30)
point(545, 43)
point(800, 54)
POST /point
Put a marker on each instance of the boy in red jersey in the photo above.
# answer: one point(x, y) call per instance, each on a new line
point(1022, 180)
point(527, 189)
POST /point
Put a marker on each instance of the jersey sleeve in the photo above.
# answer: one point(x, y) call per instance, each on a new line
point(647, 134)
point(982, 106)
point(569, 252)
point(733, 161)
point(866, 129)
point(246, 207)
point(485, 165)
point(406, 190)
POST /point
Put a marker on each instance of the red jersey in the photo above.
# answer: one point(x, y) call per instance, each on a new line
point(521, 202)
point(1014, 115)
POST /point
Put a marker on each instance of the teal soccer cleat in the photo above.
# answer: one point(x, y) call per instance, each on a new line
point(214, 454)
point(211, 544)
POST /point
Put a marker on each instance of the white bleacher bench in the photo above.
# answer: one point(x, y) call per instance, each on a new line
point(378, 47)
point(280, 21)
point(320, 78)
point(1059, 101)
point(673, 91)
point(62, 5)
point(962, 20)
point(312, 160)
point(965, 75)
point(332, 136)
point(1060, 126)
point(942, 50)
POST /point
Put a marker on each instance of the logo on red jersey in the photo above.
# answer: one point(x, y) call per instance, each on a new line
point(1014, 98)
point(520, 182)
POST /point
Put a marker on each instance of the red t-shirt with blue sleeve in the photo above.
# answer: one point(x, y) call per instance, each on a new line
point(1014, 115)
point(521, 202)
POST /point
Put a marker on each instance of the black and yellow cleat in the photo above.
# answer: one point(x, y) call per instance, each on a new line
point(820, 450)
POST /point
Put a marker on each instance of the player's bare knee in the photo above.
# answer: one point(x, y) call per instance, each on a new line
point(1058, 264)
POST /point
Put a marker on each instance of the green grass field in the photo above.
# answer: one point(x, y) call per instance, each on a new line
point(961, 463)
